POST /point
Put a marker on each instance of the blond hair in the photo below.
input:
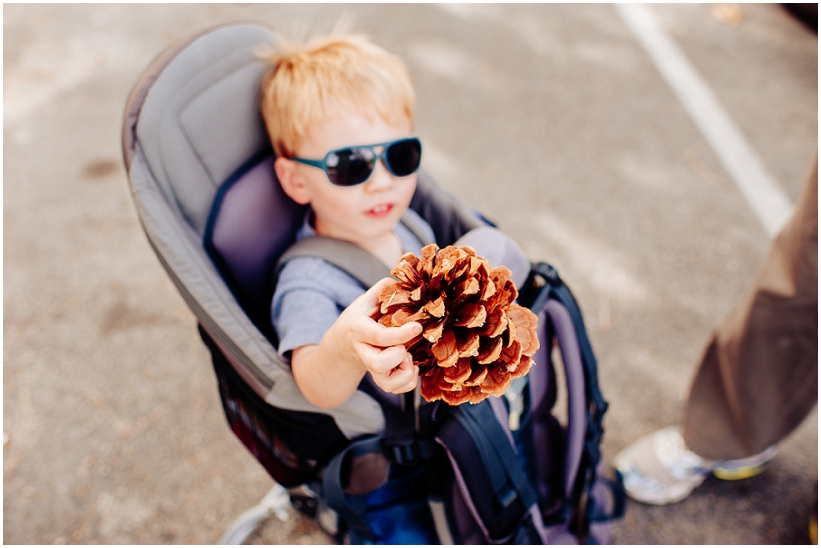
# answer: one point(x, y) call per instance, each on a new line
point(327, 77)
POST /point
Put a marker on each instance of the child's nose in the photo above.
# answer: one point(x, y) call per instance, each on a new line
point(380, 179)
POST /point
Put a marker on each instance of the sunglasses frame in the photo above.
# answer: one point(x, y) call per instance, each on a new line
point(381, 155)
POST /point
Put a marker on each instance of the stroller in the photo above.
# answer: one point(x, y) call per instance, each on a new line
point(201, 174)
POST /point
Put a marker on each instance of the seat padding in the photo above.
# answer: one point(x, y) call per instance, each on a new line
point(201, 119)
point(251, 224)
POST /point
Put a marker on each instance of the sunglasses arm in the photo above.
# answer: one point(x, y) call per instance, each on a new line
point(315, 163)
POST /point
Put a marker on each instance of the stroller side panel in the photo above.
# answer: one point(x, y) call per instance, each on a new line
point(203, 290)
point(275, 436)
point(228, 326)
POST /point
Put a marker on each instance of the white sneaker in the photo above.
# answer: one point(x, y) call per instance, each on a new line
point(659, 469)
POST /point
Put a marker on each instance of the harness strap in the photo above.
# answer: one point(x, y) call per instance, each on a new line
point(495, 489)
point(507, 478)
point(359, 263)
point(347, 256)
point(408, 451)
point(350, 507)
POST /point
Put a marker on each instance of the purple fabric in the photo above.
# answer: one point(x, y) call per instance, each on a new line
point(256, 222)
point(574, 372)
point(465, 513)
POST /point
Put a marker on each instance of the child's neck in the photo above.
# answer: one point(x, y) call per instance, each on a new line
point(387, 248)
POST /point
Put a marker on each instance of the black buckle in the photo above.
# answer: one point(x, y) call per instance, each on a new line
point(536, 289)
point(408, 451)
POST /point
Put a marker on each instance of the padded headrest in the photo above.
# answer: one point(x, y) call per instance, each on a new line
point(200, 119)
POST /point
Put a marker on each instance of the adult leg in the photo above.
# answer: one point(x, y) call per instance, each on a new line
point(757, 381)
point(759, 375)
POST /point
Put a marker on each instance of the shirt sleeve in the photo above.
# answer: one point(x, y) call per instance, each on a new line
point(309, 297)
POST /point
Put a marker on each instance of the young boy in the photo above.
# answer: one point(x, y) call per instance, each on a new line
point(339, 112)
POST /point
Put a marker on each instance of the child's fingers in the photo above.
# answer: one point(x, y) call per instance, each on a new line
point(406, 372)
point(362, 310)
point(407, 387)
point(400, 379)
point(378, 335)
point(384, 360)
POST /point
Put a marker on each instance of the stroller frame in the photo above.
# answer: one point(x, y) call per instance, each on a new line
point(181, 169)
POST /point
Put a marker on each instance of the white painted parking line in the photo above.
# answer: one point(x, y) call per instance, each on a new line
point(769, 203)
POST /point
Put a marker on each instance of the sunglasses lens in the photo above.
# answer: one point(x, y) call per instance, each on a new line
point(403, 157)
point(350, 166)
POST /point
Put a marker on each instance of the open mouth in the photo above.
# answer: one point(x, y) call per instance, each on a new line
point(380, 210)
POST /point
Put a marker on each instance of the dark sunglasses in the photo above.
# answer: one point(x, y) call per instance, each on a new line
point(351, 166)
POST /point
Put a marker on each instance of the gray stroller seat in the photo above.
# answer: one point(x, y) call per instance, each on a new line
point(200, 170)
point(191, 123)
point(201, 175)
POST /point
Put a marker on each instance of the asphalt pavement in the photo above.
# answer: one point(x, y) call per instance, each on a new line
point(553, 120)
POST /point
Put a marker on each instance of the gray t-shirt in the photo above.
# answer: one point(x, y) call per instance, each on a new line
point(311, 293)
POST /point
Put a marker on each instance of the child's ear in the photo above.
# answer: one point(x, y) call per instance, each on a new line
point(291, 181)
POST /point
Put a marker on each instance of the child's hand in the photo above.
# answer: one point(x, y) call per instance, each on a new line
point(330, 372)
point(381, 349)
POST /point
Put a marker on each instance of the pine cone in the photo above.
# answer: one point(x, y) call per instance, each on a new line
point(475, 338)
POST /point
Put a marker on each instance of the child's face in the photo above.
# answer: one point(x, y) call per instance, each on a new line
point(361, 213)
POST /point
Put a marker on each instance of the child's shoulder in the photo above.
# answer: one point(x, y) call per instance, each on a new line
point(315, 273)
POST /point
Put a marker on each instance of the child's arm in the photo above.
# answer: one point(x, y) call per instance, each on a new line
point(328, 373)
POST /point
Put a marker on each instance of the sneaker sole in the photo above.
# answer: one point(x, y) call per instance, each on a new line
point(741, 470)
point(739, 473)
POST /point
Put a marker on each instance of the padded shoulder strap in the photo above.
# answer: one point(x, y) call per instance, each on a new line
point(489, 476)
point(348, 256)
point(351, 258)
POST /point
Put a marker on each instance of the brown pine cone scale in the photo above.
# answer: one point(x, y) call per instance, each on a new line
point(475, 338)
